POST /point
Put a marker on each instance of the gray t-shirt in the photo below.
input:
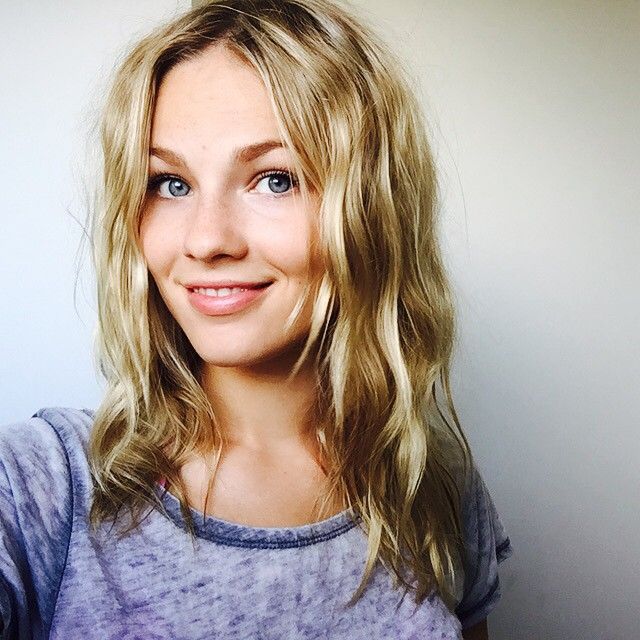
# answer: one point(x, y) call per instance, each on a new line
point(58, 580)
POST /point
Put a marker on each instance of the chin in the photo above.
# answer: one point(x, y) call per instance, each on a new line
point(243, 356)
point(229, 356)
point(232, 353)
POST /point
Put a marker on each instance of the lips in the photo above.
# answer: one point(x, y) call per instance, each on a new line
point(226, 305)
point(227, 284)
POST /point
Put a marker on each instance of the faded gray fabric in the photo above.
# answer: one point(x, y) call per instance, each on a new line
point(58, 580)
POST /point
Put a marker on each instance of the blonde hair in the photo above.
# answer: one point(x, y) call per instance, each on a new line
point(382, 329)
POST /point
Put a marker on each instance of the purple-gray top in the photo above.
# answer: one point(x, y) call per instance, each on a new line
point(60, 580)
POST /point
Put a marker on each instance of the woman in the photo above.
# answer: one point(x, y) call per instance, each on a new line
point(270, 459)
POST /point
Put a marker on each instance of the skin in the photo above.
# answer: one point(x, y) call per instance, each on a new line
point(222, 221)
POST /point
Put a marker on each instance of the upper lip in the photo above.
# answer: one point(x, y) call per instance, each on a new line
point(230, 284)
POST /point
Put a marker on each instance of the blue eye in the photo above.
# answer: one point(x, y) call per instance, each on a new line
point(168, 186)
point(277, 182)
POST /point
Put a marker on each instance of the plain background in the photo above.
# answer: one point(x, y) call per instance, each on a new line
point(534, 111)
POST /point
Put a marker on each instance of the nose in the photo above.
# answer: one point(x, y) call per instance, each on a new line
point(214, 228)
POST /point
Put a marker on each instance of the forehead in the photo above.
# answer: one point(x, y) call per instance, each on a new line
point(214, 95)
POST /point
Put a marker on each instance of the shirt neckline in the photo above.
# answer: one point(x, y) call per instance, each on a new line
point(234, 534)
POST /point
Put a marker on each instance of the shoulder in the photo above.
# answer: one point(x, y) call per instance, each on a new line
point(43, 476)
point(72, 426)
point(486, 546)
point(481, 518)
point(68, 425)
point(49, 449)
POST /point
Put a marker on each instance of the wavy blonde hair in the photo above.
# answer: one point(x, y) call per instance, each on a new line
point(382, 329)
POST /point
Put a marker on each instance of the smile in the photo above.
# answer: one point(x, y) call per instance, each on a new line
point(223, 292)
point(224, 301)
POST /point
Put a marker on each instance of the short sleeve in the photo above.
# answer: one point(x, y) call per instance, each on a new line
point(35, 520)
point(487, 545)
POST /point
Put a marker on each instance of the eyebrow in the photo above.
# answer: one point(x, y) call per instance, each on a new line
point(239, 155)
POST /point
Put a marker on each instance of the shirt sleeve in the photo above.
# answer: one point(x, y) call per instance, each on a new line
point(487, 545)
point(35, 525)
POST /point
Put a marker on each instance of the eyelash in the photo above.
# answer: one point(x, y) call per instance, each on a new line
point(156, 179)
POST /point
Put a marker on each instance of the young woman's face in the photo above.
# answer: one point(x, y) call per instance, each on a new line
point(221, 209)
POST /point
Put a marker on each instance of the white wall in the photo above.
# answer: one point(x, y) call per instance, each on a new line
point(534, 107)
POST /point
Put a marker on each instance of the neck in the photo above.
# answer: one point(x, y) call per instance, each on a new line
point(259, 409)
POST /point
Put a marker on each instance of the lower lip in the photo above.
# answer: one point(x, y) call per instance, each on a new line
point(225, 305)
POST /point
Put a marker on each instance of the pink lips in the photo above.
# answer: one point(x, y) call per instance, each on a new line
point(225, 305)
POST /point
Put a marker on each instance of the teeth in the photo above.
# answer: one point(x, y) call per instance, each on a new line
point(219, 293)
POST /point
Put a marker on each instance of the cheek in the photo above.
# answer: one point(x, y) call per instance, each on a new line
point(296, 251)
point(156, 246)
